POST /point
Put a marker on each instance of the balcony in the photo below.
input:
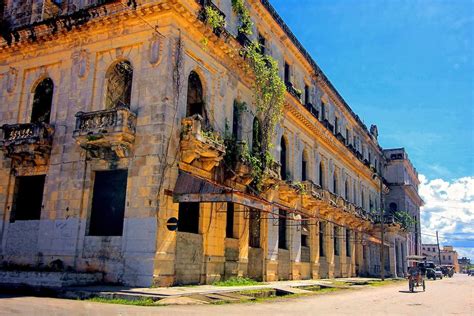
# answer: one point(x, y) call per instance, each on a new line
point(243, 39)
point(202, 16)
point(28, 143)
point(106, 134)
point(271, 175)
point(199, 148)
point(242, 171)
point(341, 138)
point(293, 91)
point(328, 125)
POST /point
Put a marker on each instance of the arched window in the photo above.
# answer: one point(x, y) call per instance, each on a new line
point(195, 100)
point(346, 190)
point(256, 136)
point(42, 100)
point(119, 85)
point(335, 183)
point(321, 175)
point(283, 170)
point(304, 166)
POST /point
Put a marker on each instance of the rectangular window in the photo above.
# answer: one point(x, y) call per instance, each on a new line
point(229, 230)
point(188, 217)
point(321, 239)
point(347, 136)
point(254, 228)
point(323, 111)
point(108, 203)
point(287, 73)
point(262, 43)
point(306, 94)
point(282, 229)
point(28, 198)
point(348, 242)
point(304, 232)
point(336, 241)
point(336, 125)
point(303, 170)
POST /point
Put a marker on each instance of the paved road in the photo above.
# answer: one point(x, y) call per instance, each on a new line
point(443, 297)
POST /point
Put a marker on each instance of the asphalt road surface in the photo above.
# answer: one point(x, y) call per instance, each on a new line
point(453, 296)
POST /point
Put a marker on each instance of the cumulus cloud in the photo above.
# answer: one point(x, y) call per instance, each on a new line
point(448, 209)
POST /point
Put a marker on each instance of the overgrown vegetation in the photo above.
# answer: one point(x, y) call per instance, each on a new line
point(238, 6)
point(214, 18)
point(405, 219)
point(237, 281)
point(138, 302)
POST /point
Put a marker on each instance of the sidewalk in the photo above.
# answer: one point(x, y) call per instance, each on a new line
point(205, 294)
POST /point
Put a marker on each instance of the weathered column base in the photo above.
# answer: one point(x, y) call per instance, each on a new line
point(213, 269)
point(271, 271)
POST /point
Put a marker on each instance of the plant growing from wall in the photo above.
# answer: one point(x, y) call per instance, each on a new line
point(241, 10)
point(405, 220)
point(214, 19)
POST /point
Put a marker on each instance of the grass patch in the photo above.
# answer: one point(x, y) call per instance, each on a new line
point(386, 282)
point(236, 281)
point(121, 301)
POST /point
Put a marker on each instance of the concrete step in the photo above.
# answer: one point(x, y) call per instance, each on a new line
point(43, 279)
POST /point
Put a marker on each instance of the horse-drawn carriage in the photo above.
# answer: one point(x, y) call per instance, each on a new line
point(416, 272)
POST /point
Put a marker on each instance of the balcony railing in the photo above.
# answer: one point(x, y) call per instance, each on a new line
point(27, 143)
point(243, 39)
point(202, 149)
point(293, 91)
point(106, 134)
point(203, 14)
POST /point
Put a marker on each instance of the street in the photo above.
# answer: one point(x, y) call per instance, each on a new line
point(442, 297)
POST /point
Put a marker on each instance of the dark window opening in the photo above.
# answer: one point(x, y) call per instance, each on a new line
point(188, 217)
point(262, 43)
point(321, 175)
point(229, 231)
point(287, 73)
point(282, 230)
point(347, 136)
point(346, 190)
point(283, 169)
point(304, 167)
point(323, 111)
point(321, 238)
point(335, 184)
point(254, 228)
point(336, 125)
point(306, 94)
point(119, 85)
point(28, 198)
point(393, 207)
point(257, 137)
point(42, 100)
point(108, 203)
point(348, 242)
point(336, 241)
point(304, 232)
point(235, 121)
point(195, 100)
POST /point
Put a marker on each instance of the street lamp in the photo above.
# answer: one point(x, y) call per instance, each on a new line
point(382, 219)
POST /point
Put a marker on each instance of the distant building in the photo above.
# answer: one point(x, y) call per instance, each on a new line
point(464, 264)
point(445, 256)
point(403, 202)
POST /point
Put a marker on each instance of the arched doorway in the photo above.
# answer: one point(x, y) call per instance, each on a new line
point(195, 100)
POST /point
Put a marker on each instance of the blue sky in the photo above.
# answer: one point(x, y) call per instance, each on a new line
point(405, 65)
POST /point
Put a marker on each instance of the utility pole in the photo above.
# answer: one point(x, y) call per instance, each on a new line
point(382, 215)
point(439, 250)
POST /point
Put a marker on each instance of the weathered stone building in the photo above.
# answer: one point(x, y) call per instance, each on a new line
point(402, 200)
point(115, 115)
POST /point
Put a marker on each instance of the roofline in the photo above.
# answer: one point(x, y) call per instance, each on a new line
point(317, 69)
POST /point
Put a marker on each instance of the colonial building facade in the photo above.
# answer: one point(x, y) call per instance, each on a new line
point(127, 132)
point(402, 181)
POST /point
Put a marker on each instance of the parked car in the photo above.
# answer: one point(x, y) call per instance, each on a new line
point(438, 273)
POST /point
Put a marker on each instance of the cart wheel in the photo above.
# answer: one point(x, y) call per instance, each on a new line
point(424, 287)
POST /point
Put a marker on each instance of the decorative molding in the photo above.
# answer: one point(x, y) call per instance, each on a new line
point(81, 60)
point(12, 78)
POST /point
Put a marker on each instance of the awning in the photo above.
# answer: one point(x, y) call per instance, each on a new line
point(190, 188)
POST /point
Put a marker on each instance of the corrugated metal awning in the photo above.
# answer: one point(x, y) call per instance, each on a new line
point(190, 188)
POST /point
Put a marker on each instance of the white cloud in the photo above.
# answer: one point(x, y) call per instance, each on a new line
point(448, 209)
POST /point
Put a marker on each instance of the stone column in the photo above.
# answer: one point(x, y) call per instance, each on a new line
point(314, 248)
point(393, 259)
point(330, 249)
point(343, 260)
point(213, 223)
